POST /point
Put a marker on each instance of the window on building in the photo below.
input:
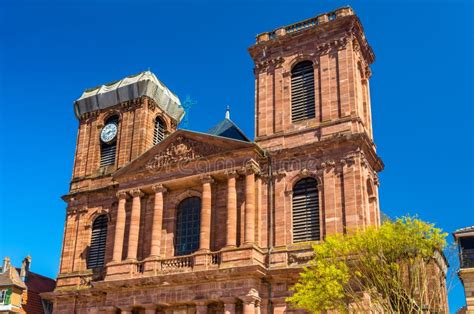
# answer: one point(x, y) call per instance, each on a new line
point(98, 241)
point(3, 294)
point(47, 306)
point(302, 92)
point(188, 222)
point(305, 203)
point(108, 141)
point(159, 132)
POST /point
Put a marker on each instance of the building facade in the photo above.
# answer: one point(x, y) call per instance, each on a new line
point(160, 219)
point(20, 289)
point(465, 240)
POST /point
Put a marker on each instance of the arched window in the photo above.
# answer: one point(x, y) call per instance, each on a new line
point(306, 211)
point(98, 240)
point(159, 132)
point(188, 220)
point(108, 141)
point(302, 92)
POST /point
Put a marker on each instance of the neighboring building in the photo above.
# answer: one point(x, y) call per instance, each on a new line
point(11, 289)
point(465, 239)
point(176, 221)
point(20, 289)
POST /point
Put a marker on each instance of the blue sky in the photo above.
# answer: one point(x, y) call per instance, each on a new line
point(51, 51)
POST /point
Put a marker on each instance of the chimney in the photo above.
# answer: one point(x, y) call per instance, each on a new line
point(6, 264)
point(25, 268)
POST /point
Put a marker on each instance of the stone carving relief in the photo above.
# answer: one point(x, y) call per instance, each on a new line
point(181, 150)
point(298, 258)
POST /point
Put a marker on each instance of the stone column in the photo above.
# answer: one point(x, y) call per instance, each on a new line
point(249, 235)
point(231, 223)
point(126, 310)
point(157, 220)
point(249, 303)
point(229, 305)
point(205, 235)
point(150, 308)
point(119, 227)
point(134, 224)
point(201, 307)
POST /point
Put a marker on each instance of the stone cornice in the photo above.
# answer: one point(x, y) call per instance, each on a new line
point(123, 106)
point(71, 195)
point(358, 142)
point(342, 31)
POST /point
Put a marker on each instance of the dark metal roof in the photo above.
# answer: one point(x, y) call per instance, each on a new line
point(227, 128)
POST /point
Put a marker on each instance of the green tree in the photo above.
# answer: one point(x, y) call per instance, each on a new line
point(398, 267)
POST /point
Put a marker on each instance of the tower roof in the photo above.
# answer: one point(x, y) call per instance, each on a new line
point(227, 128)
point(128, 88)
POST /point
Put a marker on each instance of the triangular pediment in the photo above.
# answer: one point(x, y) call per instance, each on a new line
point(180, 148)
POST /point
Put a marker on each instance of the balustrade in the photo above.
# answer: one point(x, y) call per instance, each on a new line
point(179, 262)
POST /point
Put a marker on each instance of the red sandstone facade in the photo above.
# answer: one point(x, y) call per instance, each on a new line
point(247, 257)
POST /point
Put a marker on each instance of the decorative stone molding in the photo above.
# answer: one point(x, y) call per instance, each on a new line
point(251, 297)
point(122, 195)
point(77, 210)
point(279, 174)
point(183, 195)
point(206, 179)
point(231, 174)
point(182, 149)
point(251, 167)
point(303, 173)
point(328, 164)
point(89, 116)
point(132, 104)
point(136, 193)
point(265, 64)
point(298, 258)
point(159, 188)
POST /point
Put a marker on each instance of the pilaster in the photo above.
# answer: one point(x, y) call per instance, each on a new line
point(205, 235)
point(134, 224)
point(119, 227)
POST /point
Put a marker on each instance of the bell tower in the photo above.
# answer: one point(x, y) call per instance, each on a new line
point(312, 81)
point(313, 117)
point(118, 122)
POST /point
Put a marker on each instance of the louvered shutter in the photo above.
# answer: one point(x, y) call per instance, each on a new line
point(159, 131)
point(108, 151)
point(107, 154)
point(98, 242)
point(302, 92)
point(306, 225)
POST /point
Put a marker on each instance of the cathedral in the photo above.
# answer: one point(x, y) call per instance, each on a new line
point(165, 220)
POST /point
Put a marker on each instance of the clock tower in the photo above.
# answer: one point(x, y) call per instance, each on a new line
point(118, 122)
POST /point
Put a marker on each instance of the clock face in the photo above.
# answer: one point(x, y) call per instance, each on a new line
point(108, 133)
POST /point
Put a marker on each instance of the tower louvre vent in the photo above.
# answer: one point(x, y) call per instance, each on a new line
point(302, 92)
point(98, 242)
point(306, 226)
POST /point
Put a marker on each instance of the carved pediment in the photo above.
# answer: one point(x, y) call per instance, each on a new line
point(179, 149)
point(183, 149)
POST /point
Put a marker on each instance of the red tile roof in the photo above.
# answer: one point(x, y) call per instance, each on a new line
point(37, 284)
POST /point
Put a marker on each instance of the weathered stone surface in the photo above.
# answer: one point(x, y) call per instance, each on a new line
point(246, 241)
